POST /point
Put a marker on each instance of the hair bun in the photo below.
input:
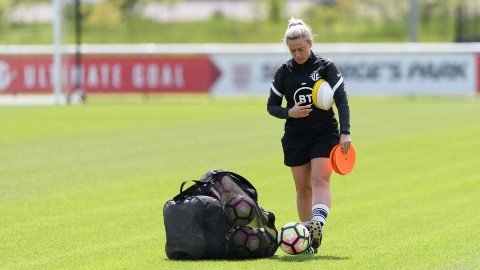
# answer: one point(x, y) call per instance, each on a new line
point(294, 22)
point(298, 28)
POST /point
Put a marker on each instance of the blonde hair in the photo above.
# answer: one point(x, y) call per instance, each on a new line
point(297, 28)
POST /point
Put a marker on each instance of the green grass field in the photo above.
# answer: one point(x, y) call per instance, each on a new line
point(83, 187)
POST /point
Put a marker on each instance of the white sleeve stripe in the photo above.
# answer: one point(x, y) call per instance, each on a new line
point(338, 84)
point(275, 91)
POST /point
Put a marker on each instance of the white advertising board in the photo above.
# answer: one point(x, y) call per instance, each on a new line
point(365, 74)
point(412, 74)
point(245, 74)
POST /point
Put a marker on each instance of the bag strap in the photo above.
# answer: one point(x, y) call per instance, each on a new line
point(242, 179)
point(208, 179)
point(213, 174)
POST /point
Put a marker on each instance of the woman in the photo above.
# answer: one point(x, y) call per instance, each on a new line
point(310, 133)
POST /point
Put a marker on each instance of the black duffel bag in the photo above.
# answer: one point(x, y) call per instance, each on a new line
point(198, 223)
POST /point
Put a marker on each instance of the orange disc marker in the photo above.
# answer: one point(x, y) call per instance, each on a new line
point(332, 159)
point(343, 163)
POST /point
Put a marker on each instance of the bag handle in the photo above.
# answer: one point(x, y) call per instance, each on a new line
point(182, 193)
point(183, 184)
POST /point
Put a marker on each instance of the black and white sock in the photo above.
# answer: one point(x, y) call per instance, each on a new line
point(320, 212)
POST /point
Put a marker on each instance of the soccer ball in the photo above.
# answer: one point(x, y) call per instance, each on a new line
point(224, 187)
point(239, 210)
point(294, 238)
point(245, 238)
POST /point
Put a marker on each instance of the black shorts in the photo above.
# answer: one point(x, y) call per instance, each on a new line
point(299, 150)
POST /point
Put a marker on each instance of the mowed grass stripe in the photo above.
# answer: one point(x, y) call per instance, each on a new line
point(86, 188)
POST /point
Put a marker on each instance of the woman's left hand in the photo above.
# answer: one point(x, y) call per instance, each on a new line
point(345, 142)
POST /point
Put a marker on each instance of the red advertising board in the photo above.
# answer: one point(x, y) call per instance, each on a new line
point(110, 74)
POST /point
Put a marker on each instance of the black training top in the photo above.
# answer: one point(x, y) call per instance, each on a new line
point(295, 82)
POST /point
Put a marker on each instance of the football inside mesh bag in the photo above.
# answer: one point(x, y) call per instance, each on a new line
point(218, 217)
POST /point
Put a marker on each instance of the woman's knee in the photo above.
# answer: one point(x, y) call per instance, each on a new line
point(305, 190)
point(321, 180)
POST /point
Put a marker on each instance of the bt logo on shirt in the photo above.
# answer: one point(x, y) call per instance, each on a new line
point(304, 95)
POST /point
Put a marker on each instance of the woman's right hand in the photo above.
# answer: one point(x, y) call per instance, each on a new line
point(299, 110)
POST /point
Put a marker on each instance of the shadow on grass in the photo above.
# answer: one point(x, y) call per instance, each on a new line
point(296, 258)
point(308, 257)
